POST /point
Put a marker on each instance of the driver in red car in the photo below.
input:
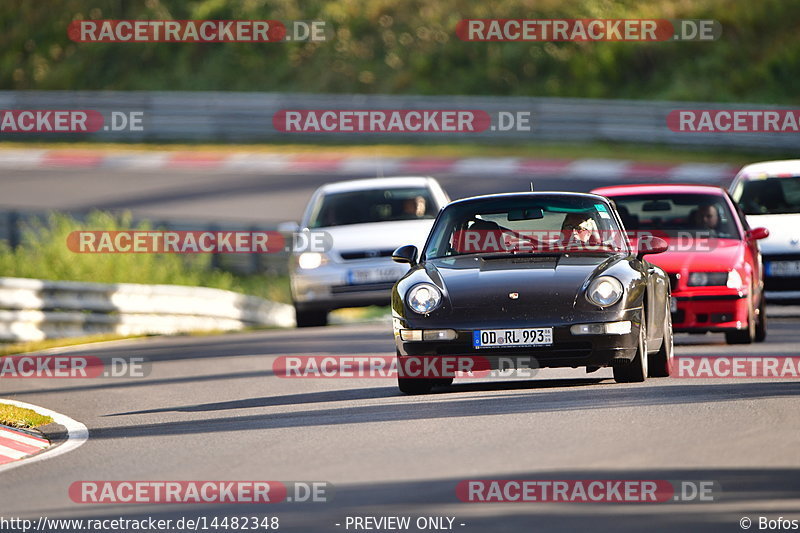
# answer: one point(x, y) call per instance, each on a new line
point(707, 217)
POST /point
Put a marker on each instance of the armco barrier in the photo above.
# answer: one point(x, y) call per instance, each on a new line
point(32, 309)
point(247, 117)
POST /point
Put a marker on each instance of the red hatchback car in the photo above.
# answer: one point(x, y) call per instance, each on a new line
point(713, 262)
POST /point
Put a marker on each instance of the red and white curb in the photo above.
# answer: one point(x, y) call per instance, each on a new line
point(16, 444)
point(17, 448)
point(335, 164)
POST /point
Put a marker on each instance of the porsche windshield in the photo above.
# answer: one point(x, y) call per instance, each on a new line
point(547, 224)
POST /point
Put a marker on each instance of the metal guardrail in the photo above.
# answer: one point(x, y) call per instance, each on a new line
point(247, 117)
point(32, 309)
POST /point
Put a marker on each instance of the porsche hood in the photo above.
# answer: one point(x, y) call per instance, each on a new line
point(544, 282)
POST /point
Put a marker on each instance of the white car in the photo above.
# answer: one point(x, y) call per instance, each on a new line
point(769, 195)
point(367, 220)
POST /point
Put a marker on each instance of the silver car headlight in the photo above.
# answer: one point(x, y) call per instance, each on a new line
point(311, 260)
point(424, 298)
point(604, 291)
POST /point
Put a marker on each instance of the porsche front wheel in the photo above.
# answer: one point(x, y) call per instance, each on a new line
point(636, 370)
point(661, 362)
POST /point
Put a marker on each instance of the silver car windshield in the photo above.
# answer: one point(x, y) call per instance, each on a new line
point(770, 196)
point(373, 205)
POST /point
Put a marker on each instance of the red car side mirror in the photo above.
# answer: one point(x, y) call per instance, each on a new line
point(757, 234)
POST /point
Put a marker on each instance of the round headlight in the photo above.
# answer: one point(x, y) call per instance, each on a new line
point(310, 260)
point(424, 298)
point(604, 291)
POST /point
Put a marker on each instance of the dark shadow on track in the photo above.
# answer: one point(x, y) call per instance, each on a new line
point(523, 401)
point(361, 394)
point(112, 383)
point(745, 492)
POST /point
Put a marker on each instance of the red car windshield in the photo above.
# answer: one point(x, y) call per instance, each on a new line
point(670, 215)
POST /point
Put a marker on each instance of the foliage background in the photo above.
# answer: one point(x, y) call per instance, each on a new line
point(410, 47)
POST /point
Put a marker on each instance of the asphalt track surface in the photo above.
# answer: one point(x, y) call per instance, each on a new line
point(208, 195)
point(211, 408)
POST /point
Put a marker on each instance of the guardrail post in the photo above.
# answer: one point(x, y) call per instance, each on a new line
point(13, 229)
point(256, 259)
point(216, 261)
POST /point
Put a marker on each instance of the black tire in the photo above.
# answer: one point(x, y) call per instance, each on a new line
point(743, 336)
point(661, 362)
point(415, 385)
point(761, 322)
point(636, 370)
point(308, 319)
point(419, 385)
point(442, 382)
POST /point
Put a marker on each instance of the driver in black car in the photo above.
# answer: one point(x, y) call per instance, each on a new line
point(579, 229)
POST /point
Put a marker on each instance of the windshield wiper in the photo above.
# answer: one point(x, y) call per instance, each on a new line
point(509, 255)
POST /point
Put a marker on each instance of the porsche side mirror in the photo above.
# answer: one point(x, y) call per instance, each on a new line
point(405, 254)
point(757, 234)
point(652, 245)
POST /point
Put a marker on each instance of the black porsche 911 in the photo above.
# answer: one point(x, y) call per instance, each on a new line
point(547, 275)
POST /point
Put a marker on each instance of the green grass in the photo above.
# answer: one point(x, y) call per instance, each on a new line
point(18, 417)
point(361, 314)
point(539, 150)
point(47, 344)
point(43, 254)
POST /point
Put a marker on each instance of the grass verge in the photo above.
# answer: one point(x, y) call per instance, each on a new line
point(44, 255)
point(538, 150)
point(341, 316)
point(360, 314)
point(19, 417)
point(37, 346)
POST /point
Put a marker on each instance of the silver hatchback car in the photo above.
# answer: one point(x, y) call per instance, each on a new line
point(769, 194)
point(367, 220)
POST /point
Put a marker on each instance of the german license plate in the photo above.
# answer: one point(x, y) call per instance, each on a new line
point(503, 338)
point(373, 275)
point(783, 269)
